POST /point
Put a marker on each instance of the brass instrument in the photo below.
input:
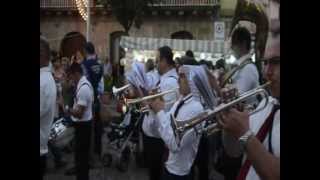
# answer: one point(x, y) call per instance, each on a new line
point(129, 102)
point(228, 75)
point(181, 127)
point(115, 90)
point(253, 12)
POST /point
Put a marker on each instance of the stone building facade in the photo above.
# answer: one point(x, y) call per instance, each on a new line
point(190, 19)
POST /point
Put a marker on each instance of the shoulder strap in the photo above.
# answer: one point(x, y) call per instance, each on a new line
point(82, 86)
point(228, 76)
point(174, 77)
point(261, 135)
point(270, 148)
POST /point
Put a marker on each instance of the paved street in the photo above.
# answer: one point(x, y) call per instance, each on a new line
point(106, 173)
point(101, 173)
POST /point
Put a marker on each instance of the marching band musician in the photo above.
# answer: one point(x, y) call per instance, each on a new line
point(244, 77)
point(247, 76)
point(82, 115)
point(182, 153)
point(153, 76)
point(258, 135)
point(153, 145)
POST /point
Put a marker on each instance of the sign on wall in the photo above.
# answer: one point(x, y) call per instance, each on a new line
point(219, 30)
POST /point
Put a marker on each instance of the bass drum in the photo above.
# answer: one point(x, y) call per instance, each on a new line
point(61, 133)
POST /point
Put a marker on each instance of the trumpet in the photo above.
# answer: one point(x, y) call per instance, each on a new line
point(181, 127)
point(130, 102)
point(117, 90)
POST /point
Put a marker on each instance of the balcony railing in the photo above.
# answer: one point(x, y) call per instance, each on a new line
point(185, 3)
point(71, 4)
point(61, 4)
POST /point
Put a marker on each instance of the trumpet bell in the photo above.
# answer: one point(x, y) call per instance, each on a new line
point(115, 90)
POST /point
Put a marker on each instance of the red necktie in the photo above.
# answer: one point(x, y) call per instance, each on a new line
point(263, 131)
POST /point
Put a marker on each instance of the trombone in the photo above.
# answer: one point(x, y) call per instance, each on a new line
point(181, 127)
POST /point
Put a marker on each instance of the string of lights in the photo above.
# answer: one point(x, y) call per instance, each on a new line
point(81, 6)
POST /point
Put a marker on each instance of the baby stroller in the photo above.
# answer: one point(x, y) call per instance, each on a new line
point(122, 139)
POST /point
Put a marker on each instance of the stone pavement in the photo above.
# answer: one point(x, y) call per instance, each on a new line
point(99, 173)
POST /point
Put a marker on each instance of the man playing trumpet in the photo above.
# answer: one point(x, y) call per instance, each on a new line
point(258, 136)
point(153, 144)
point(181, 153)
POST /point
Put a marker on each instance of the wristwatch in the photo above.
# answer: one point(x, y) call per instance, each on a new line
point(244, 139)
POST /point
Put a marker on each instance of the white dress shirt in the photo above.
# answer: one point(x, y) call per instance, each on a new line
point(48, 96)
point(181, 156)
point(255, 122)
point(247, 77)
point(84, 97)
point(168, 81)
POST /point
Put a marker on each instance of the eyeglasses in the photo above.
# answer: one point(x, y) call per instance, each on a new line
point(273, 60)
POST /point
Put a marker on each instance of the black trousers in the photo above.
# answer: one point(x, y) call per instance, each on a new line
point(202, 159)
point(43, 165)
point(168, 176)
point(82, 149)
point(98, 128)
point(154, 151)
point(226, 165)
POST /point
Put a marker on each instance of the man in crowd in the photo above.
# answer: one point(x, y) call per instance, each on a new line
point(93, 70)
point(258, 136)
point(189, 53)
point(152, 74)
point(181, 152)
point(48, 96)
point(154, 146)
point(82, 115)
point(247, 77)
point(59, 76)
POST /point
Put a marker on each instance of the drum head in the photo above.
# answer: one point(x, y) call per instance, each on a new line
point(61, 135)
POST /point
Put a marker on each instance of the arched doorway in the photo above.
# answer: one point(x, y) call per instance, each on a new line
point(182, 35)
point(71, 43)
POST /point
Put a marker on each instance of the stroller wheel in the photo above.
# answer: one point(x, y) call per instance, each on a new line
point(107, 160)
point(123, 161)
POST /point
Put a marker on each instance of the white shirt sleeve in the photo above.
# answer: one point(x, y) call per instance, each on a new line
point(43, 106)
point(44, 99)
point(248, 78)
point(83, 96)
point(166, 132)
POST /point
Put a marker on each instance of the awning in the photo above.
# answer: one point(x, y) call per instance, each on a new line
point(143, 43)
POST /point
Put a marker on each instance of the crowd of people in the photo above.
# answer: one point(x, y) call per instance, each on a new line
point(246, 147)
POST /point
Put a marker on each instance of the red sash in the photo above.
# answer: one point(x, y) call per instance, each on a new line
point(262, 134)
